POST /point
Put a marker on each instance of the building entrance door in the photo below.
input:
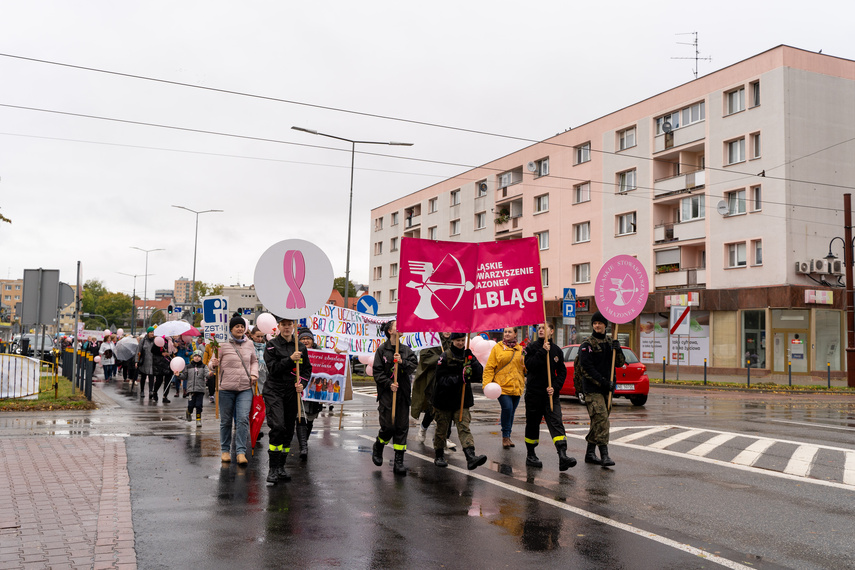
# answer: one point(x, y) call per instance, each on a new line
point(791, 346)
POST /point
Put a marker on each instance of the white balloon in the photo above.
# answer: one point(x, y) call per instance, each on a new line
point(266, 323)
point(158, 341)
point(493, 391)
point(369, 370)
point(97, 359)
point(365, 359)
point(177, 364)
point(120, 332)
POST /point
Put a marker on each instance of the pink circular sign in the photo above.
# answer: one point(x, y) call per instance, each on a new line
point(293, 278)
point(621, 289)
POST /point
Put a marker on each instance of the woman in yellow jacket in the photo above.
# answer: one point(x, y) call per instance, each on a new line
point(506, 368)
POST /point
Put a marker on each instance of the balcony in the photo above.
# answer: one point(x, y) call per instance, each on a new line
point(679, 183)
point(512, 227)
point(412, 221)
point(691, 229)
point(679, 137)
point(682, 278)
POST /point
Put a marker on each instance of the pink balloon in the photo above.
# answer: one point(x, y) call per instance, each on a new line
point(266, 323)
point(177, 364)
point(269, 337)
point(365, 359)
point(158, 341)
point(369, 370)
point(97, 359)
point(120, 332)
point(187, 338)
point(475, 341)
point(493, 391)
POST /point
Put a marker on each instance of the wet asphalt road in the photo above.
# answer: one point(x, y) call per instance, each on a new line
point(658, 508)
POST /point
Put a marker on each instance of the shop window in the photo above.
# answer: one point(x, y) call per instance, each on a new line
point(754, 339)
point(828, 339)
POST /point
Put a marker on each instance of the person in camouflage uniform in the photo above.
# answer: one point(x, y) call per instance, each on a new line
point(593, 369)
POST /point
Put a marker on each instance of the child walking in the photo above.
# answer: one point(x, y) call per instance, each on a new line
point(195, 376)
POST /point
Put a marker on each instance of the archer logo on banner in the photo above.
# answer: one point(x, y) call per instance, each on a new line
point(433, 282)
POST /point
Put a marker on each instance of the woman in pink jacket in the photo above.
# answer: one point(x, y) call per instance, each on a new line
point(239, 372)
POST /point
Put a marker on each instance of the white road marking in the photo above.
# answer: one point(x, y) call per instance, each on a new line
point(706, 447)
point(849, 468)
point(668, 441)
point(801, 460)
point(813, 424)
point(640, 434)
point(752, 453)
point(587, 514)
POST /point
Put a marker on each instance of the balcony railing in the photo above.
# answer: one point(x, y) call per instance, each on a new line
point(412, 221)
point(688, 277)
point(676, 183)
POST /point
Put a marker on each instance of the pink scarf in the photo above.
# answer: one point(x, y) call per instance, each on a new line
point(510, 343)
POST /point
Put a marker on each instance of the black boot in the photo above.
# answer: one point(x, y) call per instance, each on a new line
point(281, 474)
point(591, 454)
point(472, 460)
point(606, 461)
point(273, 468)
point(303, 440)
point(188, 415)
point(377, 452)
point(531, 459)
point(440, 458)
point(398, 466)
point(564, 462)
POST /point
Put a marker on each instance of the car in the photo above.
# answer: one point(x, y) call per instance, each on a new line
point(35, 342)
point(632, 380)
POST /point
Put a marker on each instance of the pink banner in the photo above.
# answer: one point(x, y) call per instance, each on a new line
point(463, 287)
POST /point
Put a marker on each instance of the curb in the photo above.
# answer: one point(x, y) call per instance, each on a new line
point(764, 390)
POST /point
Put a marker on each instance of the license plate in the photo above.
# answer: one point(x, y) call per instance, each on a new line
point(625, 387)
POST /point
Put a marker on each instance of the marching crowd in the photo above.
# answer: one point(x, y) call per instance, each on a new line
point(435, 388)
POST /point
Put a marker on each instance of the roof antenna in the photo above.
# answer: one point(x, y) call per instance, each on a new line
point(697, 53)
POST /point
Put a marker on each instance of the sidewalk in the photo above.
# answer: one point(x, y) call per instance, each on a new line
point(65, 503)
point(756, 378)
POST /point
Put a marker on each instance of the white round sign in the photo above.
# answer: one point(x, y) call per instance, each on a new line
point(293, 278)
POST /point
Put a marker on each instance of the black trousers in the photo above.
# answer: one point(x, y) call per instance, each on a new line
point(195, 400)
point(281, 413)
point(158, 382)
point(536, 409)
point(395, 432)
point(143, 377)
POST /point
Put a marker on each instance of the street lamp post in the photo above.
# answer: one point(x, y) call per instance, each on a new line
point(353, 144)
point(133, 302)
point(145, 287)
point(848, 250)
point(195, 245)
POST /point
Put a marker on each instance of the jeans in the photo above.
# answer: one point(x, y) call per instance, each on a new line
point(235, 406)
point(509, 406)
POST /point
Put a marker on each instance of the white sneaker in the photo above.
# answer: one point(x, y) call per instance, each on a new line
point(450, 444)
point(421, 436)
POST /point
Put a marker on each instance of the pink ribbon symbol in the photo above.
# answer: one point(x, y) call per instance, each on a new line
point(294, 267)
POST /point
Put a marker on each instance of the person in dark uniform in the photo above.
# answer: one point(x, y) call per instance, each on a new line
point(280, 393)
point(384, 376)
point(593, 369)
point(538, 394)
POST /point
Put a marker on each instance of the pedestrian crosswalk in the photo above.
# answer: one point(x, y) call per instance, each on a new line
point(821, 464)
point(371, 390)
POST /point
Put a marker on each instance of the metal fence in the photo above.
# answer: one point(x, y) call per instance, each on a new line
point(85, 369)
point(24, 377)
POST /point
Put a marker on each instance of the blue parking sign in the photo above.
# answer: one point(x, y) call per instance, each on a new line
point(568, 305)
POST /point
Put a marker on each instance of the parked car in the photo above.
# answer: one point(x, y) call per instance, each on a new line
point(35, 343)
point(632, 380)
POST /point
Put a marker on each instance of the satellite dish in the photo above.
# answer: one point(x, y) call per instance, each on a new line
point(722, 208)
point(666, 127)
point(483, 187)
point(531, 166)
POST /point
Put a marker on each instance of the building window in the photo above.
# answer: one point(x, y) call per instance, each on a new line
point(378, 273)
point(735, 101)
point(542, 240)
point(394, 221)
point(7, 298)
point(17, 287)
point(684, 117)
point(582, 193)
point(377, 295)
point(432, 233)
point(480, 220)
point(432, 206)
point(755, 145)
point(455, 197)
point(378, 248)
point(378, 224)
point(480, 188)
point(542, 167)
point(8, 287)
point(393, 244)
point(393, 295)
point(626, 138)
point(756, 199)
point(757, 250)
point(582, 273)
point(544, 276)
point(393, 270)
point(625, 224)
point(583, 153)
point(736, 255)
point(691, 208)
point(626, 181)
point(735, 151)
point(582, 232)
point(541, 203)
point(735, 202)
point(755, 93)
point(454, 228)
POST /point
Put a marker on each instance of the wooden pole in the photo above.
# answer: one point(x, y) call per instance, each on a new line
point(612, 369)
point(395, 378)
point(217, 392)
point(299, 394)
point(545, 337)
point(463, 390)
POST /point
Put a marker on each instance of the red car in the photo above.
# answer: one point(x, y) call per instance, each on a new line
point(632, 380)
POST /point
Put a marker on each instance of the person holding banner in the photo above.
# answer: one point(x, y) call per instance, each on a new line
point(596, 354)
point(456, 370)
point(423, 387)
point(393, 364)
point(310, 409)
point(506, 368)
point(284, 356)
point(544, 361)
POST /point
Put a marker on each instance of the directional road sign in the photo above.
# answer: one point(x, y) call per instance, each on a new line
point(368, 305)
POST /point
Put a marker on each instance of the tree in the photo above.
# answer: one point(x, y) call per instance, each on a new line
point(115, 307)
point(206, 289)
point(5, 219)
point(338, 285)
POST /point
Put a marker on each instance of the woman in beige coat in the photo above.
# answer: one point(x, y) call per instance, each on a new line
point(506, 368)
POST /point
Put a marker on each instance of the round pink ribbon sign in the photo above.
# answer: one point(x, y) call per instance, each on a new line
point(621, 289)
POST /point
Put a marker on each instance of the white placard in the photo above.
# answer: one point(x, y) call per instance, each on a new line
point(293, 278)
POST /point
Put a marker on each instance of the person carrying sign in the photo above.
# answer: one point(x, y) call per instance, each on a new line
point(456, 370)
point(544, 360)
point(596, 355)
point(393, 365)
point(281, 391)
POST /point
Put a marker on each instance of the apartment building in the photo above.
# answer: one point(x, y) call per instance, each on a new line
point(183, 291)
point(11, 293)
point(728, 189)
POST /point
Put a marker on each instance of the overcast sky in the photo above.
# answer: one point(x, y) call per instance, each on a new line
point(86, 189)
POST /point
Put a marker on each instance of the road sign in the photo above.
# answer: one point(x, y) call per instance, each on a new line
point(569, 303)
point(680, 320)
point(368, 305)
point(176, 309)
